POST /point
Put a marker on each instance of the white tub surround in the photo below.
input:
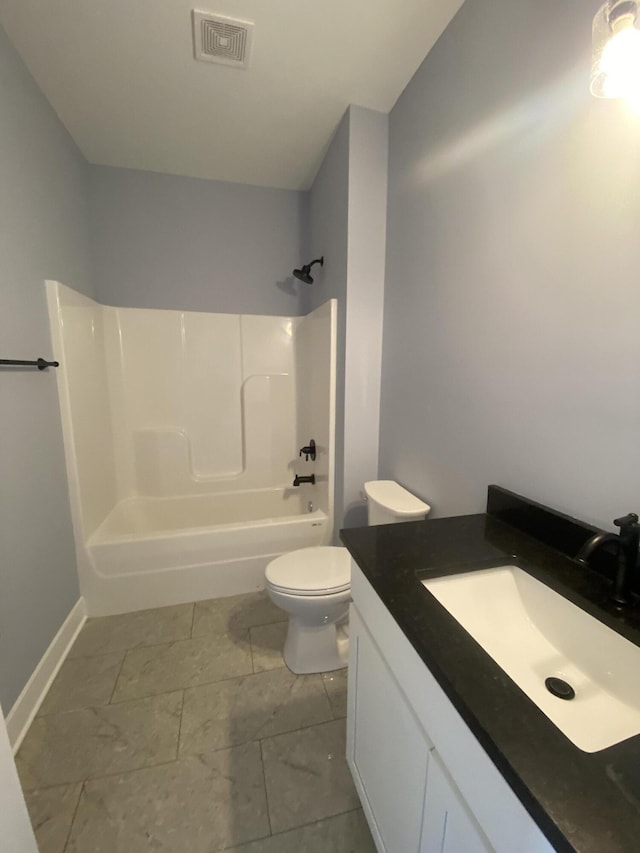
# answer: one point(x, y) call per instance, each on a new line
point(182, 433)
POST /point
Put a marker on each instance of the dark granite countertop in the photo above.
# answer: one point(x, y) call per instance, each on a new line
point(585, 802)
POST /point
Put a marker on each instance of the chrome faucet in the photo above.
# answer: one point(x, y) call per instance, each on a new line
point(627, 543)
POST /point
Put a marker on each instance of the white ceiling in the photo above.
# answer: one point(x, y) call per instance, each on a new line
point(122, 77)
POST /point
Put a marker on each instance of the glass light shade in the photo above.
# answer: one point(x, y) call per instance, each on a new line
point(615, 70)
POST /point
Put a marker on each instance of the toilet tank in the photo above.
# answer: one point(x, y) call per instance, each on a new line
point(388, 503)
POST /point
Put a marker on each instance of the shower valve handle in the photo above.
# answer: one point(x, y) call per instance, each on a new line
point(309, 452)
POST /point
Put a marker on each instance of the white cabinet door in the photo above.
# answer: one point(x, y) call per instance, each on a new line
point(448, 825)
point(389, 751)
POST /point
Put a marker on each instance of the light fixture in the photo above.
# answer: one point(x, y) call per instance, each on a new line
point(615, 69)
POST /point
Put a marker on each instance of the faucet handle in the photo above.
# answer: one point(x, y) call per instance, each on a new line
point(309, 451)
point(626, 521)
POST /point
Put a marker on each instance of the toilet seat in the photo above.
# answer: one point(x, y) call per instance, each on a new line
point(323, 570)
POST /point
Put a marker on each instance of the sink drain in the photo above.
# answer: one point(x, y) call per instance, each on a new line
point(559, 688)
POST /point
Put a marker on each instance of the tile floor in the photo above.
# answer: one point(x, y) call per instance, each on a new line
point(180, 730)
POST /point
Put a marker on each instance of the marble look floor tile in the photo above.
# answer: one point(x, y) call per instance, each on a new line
point(234, 615)
point(198, 804)
point(345, 833)
point(51, 811)
point(76, 745)
point(336, 686)
point(267, 643)
point(307, 776)
point(83, 683)
point(128, 630)
point(244, 709)
point(158, 669)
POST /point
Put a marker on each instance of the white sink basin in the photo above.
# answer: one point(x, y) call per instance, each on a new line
point(533, 633)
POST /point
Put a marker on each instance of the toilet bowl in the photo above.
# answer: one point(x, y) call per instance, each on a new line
point(313, 585)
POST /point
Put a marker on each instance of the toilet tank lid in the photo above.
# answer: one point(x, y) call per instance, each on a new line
point(395, 498)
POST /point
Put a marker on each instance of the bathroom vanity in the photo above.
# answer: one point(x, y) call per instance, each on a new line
point(447, 753)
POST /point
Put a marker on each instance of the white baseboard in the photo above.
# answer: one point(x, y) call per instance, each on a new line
point(28, 702)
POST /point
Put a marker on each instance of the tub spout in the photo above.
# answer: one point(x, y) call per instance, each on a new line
point(298, 480)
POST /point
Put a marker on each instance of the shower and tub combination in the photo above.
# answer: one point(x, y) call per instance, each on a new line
point(184, 434)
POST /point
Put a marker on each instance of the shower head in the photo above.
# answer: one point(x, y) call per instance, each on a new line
point(304, 274)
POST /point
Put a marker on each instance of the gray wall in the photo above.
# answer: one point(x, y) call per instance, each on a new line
point(368, 160)
point(328, 224)
point(163, 241)
point(347, 226)
point(511, 347)
point(42, 235)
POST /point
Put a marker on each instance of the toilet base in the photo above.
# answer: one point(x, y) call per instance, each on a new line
point(310, 649)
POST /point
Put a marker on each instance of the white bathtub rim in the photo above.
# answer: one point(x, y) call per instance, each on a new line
point(276, 488)
point(317, 518)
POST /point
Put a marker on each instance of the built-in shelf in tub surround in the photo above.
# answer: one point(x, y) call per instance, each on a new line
point(586, 802)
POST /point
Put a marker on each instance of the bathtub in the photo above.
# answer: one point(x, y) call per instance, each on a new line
point(150, 552)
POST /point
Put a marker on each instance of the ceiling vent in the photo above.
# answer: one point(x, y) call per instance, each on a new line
point(220, 39)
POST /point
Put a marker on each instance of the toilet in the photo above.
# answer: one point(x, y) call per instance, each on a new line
point(313, 585)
